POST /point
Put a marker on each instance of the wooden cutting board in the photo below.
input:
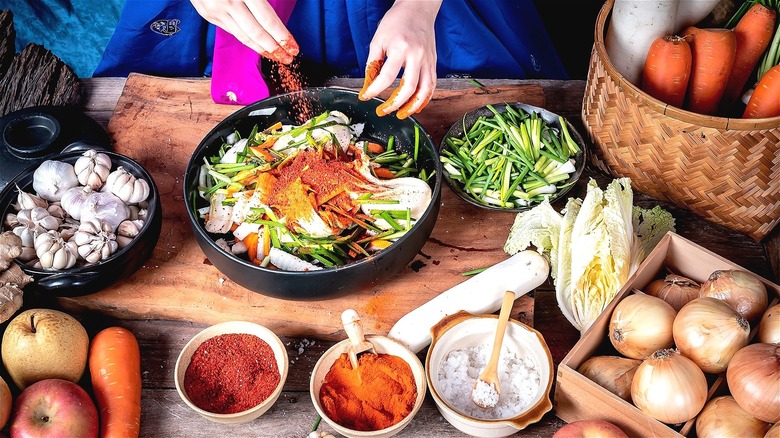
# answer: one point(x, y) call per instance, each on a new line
point(159, 122)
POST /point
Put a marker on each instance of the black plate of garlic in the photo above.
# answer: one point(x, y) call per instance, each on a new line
point(86, 219)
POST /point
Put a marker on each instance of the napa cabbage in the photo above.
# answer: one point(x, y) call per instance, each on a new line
point(593, 245)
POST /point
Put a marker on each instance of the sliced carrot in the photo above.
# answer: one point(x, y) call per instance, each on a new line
point(259, 152)
point(251, 242)
point(266, 240)
point(375, 148)
point(753, 32)
point(115, 370)
point(765, 100)
point(713, 51)
point(667, 69)
point(274, 127)
point(384, 173)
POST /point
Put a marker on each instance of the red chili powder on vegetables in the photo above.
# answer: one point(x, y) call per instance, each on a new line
point(231, 373)
point(378, 394)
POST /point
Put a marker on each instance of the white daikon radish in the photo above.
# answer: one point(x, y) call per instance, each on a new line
point(633, 26)
point(691, 12)
point(482, 293)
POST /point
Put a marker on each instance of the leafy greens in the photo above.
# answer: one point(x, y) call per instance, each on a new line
point(593, 245)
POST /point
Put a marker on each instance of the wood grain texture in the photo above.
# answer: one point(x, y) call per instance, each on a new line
point(159, 122)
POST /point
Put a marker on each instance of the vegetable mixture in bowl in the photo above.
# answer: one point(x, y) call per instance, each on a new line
point(510, 157)
point(274, 200)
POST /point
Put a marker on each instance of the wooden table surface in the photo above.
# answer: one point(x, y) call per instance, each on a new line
point(165, 415)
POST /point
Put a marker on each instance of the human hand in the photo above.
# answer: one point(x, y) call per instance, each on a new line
point(405, 38)
point(253, 22)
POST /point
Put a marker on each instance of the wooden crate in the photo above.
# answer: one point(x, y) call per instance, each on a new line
point(578, 398)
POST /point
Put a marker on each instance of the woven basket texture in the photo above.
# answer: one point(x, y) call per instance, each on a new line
point(725, 170)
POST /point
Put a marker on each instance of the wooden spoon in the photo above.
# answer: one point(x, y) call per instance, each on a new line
point(486, 388)
point(351, 322)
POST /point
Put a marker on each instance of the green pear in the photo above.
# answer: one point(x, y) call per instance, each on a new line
point(43, 344)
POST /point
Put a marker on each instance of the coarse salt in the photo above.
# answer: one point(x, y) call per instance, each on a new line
point(518, 376)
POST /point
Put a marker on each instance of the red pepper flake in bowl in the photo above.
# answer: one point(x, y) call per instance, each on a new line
point(231, 373)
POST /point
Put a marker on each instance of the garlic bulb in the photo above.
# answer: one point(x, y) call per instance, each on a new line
point(28, 201)
point(96, 240)
point(54, 252)
point(127, 187)
point(33, 222)
point(105, 206)
point(53, 178)
point(73, 200)
point(92, 168)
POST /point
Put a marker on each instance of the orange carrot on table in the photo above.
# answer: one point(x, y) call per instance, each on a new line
point(115, 370)
point(753, 33)
point(765, 100)
point(712, 57)
point(667, 69)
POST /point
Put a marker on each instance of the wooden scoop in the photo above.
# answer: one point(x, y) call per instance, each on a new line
point(486, 388)
point(351, 322)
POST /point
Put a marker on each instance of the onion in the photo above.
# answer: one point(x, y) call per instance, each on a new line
point(769, 326)
point(669, 387)
point(753, 377)
point(708, 331)
point(614, 373)
point(722, 417)
point(641, 324)
point(674, 289)
point(773, 432)
point(740, 289)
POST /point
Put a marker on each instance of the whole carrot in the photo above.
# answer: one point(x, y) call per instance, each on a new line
point(765, 100)
point(712, 57)
point(753, 33)
point(667, 69)
point(115, 369)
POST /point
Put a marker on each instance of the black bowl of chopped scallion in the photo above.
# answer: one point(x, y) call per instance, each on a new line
point(511, 156)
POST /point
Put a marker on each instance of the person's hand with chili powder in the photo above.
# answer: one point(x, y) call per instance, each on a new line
point(253, 22)
point(405, 39)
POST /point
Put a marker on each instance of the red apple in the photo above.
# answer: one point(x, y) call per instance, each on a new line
point(590, 429)
point(54, 408)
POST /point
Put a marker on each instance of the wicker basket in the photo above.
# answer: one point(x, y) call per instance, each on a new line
point(726, 170)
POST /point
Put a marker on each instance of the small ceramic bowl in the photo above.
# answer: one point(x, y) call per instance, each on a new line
point(464, 330)
point(382, 344)
point(239, 327)
point(465, 123)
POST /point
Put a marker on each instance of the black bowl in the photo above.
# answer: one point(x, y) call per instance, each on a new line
point(330, 282)
point(92, 278)
point(467, 121)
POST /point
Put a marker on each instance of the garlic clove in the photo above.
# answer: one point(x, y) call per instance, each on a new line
point(28, 201)
point(130, 228)
point(11, 220)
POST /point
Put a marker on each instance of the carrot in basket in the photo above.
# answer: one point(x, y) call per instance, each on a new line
point(667, 69)
point(765, 100)
point(115, 370)
point(712, 57)
point(753, 32)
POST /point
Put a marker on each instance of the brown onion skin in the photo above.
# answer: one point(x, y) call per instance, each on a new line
point(769, 326)
point(722, 416)
point(656, 388)
point(676, 290)
point(641, 324)
point(740, 289)
point(709, 332)
point(753, 378)
point(773, 432)
point(614, 373)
